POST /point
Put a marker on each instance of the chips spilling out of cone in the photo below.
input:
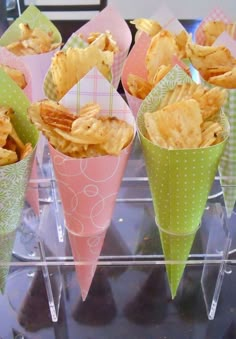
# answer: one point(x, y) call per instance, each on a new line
point(164, 49)
point(216, 64)
point(186, 117)
point(180, 176)
point(84, 135)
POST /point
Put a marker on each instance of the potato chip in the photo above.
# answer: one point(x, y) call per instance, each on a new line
point(89, 131)
point(68, 67)
point(90, 134)
point(176, 126)
point(226, 80)
point(56, 116)
point(161, 73)
point(119, 135)
point(210, 131)
point(210, 99)
point(89, 110)
point(160, 52)
point(103, 41)
point(16, 75)
point(210, 60)
point(32, 41)
point(149, 26)
point(181, 41)
point(7, 157)
point(213, 29)
point(138, 87)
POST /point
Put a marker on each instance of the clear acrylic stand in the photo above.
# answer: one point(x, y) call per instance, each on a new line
point(52, 274)
point(218, 246)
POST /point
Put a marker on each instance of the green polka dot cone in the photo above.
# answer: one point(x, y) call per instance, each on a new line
point(14, 177)
point(34, 18)
point(227, 165)
point(179, 180)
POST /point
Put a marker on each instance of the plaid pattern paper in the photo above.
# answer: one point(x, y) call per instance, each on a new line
point(215, 15)
point(49, 87)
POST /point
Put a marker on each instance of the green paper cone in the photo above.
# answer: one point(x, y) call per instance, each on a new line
point(6, 245)
point(34, 18)
point(14, 177)
point(227, 165)
point(179, 180)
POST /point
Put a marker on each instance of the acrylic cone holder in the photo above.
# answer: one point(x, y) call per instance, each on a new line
point(179, 180)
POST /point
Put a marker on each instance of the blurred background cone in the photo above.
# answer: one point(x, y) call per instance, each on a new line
point(86, 249)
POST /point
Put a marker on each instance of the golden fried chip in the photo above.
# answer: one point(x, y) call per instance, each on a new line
point(32, 41)
point(149, 26)
point(88, 130)
point(210, 60)
point(7, 157)
point(176, 126)
point(210, 131)
point(119, 135)
point(210, 99)
point(160, 52)
point(16, 75)
point(89, 110)
point(5, 129)
point(226, 80)
point(56, 115)
point(69, 66)
point(181, 41)
point(161, 73)
point(213, 29)
point(103, 41)
point(138, 87)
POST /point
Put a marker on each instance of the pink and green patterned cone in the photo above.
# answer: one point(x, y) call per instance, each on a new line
point(14, 177)
point(180, 181)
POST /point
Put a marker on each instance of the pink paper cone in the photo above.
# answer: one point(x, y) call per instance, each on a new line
point(135, 64)
point(109, 19)
point(86, 249)
point(38, 65)
point(88, 189)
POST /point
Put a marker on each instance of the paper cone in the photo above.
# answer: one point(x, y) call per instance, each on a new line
point(109, 19)
point(88, 187)
point(180, 181)
point(14, 177)
point(6, 245)
point(135, 62)
point(39, 63)
point(227, 165)
point(86, 249)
